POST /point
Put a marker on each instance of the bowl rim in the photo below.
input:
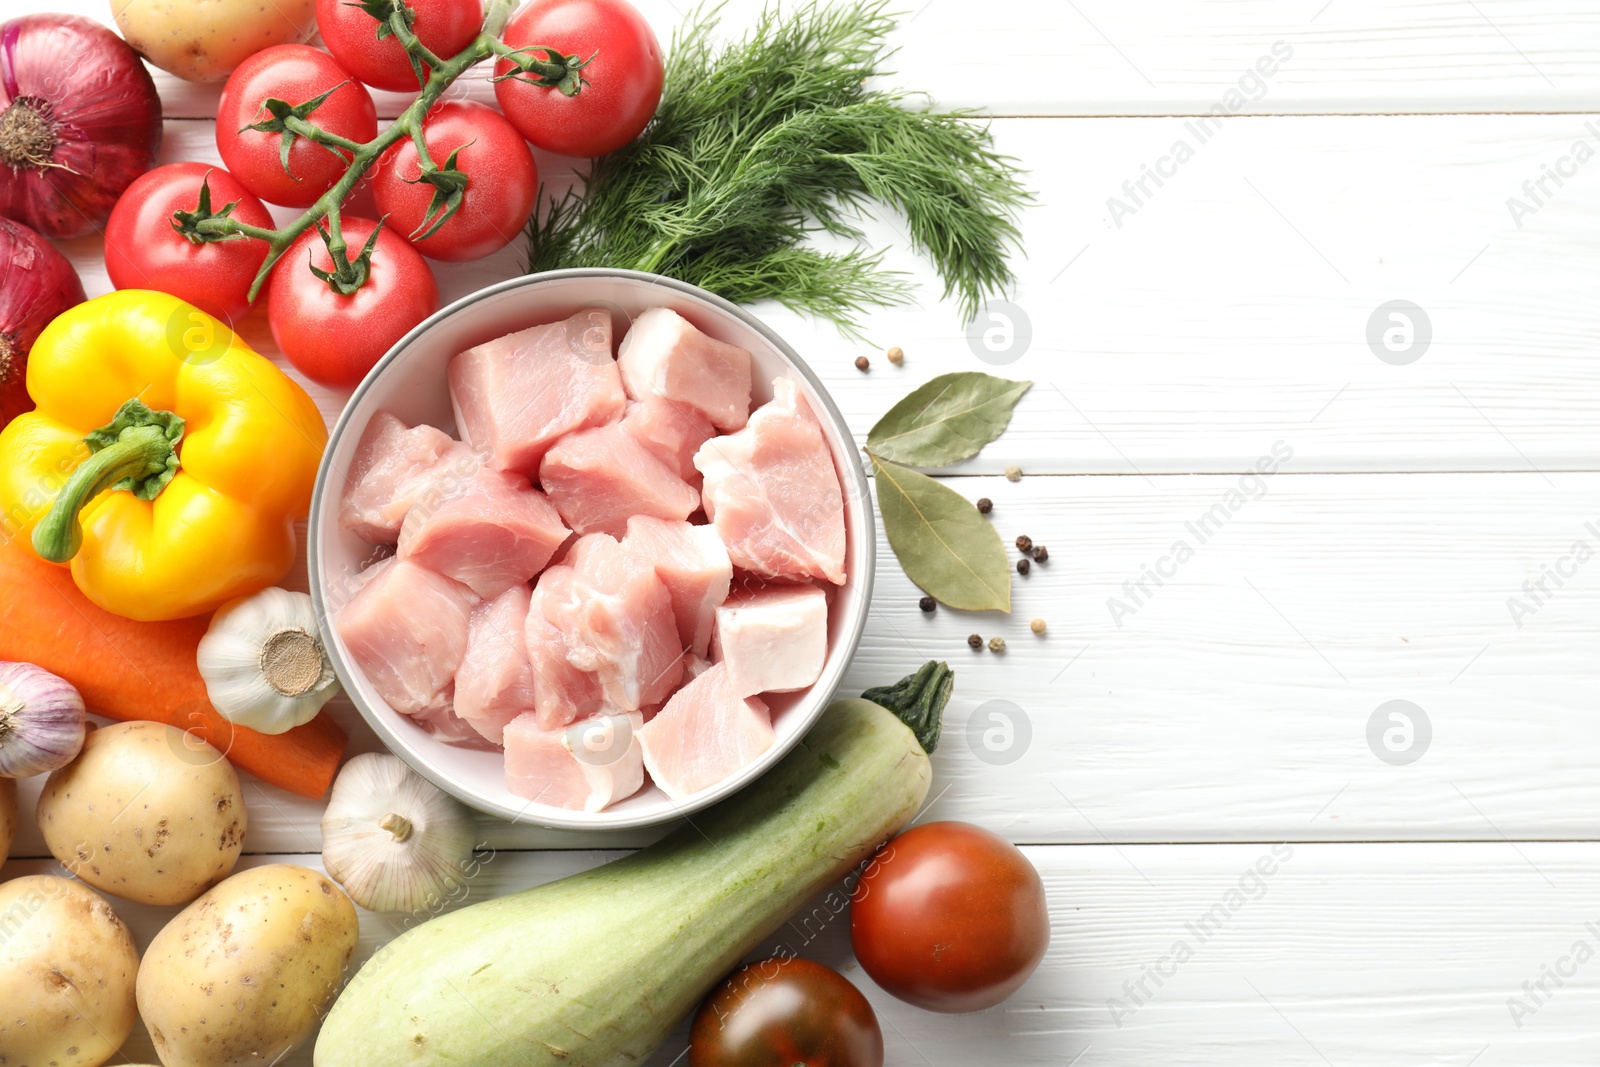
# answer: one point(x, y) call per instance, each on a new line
point(820, 693)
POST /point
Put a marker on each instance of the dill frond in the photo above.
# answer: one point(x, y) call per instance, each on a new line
point(765, 141)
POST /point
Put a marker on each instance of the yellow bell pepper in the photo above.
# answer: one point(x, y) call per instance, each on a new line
point(166, 459)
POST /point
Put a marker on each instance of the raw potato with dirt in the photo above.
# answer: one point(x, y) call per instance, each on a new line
point(147, 812)
point(245, 973)
point(67, 966)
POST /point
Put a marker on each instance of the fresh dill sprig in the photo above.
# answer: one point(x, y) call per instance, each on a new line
point(766, 141)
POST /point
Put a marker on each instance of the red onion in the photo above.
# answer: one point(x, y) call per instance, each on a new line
point(36, 284)
point(79, 120)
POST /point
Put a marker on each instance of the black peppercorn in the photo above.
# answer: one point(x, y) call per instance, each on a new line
point(974, 641)
point(927, 603)
point(985, 505)
point(1024, 543)
point(1022, 565)
point(1040, 553)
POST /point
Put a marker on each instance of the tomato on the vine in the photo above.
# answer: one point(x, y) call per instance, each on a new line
point(144, 250)
point(296, 74)
point(493, 160)
point(950, 917)
point(351, 34)
point(335, 338)
point(622, 82)
point(785, 1011)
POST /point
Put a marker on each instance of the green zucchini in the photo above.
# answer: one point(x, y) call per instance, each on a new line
point(595, 970)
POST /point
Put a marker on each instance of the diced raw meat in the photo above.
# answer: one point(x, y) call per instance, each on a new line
point(515, 395)
point(586, 766)
point(670, 431)
point(495, 532)
point(773, 493)
point(773, 639)
point(618, 622)
point(495, 682)
point(383, 476)
point(692, 562)
point(597, 478)
point(664, 355)
point(561, 692)
point(705, 733)
point(406, 628)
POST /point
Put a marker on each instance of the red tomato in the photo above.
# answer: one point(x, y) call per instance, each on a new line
point(335, 339)
point(144, 251)
point(784, 1012)
point(295, 73)
point(624, 78)
point(950, 917)
point(445, 26)
point(501, 182)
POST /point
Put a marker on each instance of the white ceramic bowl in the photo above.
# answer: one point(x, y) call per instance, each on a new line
point(410, 382)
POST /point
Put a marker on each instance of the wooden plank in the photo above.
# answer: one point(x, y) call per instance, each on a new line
point(1167, 57)
point(1232, 308)
point(1294, 955)
point(1232, 700)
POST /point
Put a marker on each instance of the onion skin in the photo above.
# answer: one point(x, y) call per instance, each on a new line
point(103, 116)
point(36, 284)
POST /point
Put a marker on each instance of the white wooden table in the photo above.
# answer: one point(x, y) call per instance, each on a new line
point(1162, 744)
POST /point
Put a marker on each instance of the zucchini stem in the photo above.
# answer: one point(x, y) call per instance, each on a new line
point(918, 700)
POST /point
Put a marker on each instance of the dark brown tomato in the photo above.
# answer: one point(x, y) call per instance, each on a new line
point(950, 917)
point(785, 1013)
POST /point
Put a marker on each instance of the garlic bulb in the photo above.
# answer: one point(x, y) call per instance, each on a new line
point(41, 721)
point(392, 840)
point(263, 663)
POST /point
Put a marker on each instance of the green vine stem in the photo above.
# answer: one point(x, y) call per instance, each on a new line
point(537, 64)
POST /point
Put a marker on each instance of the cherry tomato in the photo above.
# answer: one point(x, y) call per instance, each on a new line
point(501, 182)
point(785, 1013)
point(445, 26)
point(335, 339)
point(950, 917)
point(294, 73)
point(144, 251)
point(624, 78)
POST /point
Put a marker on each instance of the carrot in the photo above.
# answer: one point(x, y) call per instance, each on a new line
point(146, 670)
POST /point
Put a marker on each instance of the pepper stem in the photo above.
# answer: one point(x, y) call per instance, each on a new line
point(136, 451)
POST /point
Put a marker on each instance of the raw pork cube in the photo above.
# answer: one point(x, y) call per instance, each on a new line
point(705, 733)
point(561, 692)
point(692, 562)
point(496, 532)
point(670, 431)
point(515, 395)
point(773, 493)
point(383, 477)
point(664, 355)
point(586, 766)
point(597, 478)
point(406, 628)
point(495, 682)
point(774, 639)
point(619, 624)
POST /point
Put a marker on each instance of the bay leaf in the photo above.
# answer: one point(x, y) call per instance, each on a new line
point(942, 542)
point(946, 419)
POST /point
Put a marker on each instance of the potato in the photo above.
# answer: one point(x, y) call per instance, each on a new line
point(203, 40)
point(246, 972)
point(146, 812)
point(67, 966)
point(8, 816)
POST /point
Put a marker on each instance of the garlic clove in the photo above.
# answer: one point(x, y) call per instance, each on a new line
point(42, 721)
point(393, 840)
point(263, 662)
